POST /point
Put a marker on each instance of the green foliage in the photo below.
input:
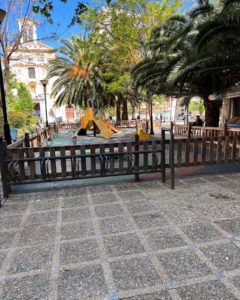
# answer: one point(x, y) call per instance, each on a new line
point(20, 108)
point(19, 98)
point(78, 78)
point(22, 121)
point(197, 105)
point(194, 54)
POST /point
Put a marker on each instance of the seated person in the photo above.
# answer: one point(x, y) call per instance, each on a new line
point(198, 122)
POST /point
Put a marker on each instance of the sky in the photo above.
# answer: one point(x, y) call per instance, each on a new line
point(62, 15)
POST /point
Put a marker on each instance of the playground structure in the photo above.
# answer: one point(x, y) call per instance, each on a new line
point(144, 136)
point(90, 121)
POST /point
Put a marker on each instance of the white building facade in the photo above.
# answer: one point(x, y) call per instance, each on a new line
point(29, 64)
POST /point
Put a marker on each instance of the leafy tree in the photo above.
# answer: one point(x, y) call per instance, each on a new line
point(20, 108)
point(20, 99)
point(119, 34)
point(193, 55)
point(77, 77)
point(196, 105)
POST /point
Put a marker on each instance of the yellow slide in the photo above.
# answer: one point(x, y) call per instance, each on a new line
point(103, 129)
point(89, 116)
point(144, 136)
point(109, 125)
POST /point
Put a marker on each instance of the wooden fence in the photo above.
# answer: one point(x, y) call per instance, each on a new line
point(32, 165)
point(38, 139)
point(202, 131)
point(139, 124)
point(68, 126)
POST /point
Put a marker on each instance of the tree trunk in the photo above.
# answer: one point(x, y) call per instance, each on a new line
point(6, 73)
point(124, 109)
point(118, 109)
point(133, 112)
point(212, 112)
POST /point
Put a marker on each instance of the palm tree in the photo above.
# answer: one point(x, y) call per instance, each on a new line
point(191, 55)
point(77, 78)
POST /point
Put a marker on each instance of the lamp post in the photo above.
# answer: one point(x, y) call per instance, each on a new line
point(6, 127)
point(44, 82)
point(149, 95)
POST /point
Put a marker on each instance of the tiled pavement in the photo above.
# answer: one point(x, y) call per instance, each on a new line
point(128, 241)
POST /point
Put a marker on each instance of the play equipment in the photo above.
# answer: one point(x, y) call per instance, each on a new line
point(143, 136)
point(109, 125)
point(104, 126)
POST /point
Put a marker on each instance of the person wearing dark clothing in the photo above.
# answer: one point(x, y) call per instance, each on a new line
point(198, 122)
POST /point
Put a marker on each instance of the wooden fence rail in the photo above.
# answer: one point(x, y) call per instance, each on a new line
point(69, 126)
point(202, 131)
point(42, 164)
point(38, 139)
point(139, 124)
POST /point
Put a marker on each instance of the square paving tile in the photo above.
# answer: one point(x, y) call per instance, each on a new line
point(180, 215)
point(108, 210)
point(131, 195)
point(163, 238)
point(183, 264)
point(236, 281)
point(138, 206)
point(77, 230)
point(96, 189)
point(72, 192)
point(82, 283)
point(31, 259)
point(117, 224)
point(150, 220)
point(8, 222)
point(37, 235)
point(29, 287)
point(76, 214)
point(213, 290)
point(223, 256)
point(194, 180)
point(75, 201)
point(14, 208)
point(6, 239)
point(201, 232)
point(221, 196)
point(74, 252)
point(152, 296)
point(134, 273)
point(43, 204)
point(231, 226)
point(232, 185)
point(104, 198)
point(42, 218)
point(150, 185)
point(126, 186)
point(123, 244)
point(2, 257)
point(219, 211)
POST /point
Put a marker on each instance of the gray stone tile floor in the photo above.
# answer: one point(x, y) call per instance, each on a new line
point(135, 241)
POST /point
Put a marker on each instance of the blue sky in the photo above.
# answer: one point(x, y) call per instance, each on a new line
point(62, 15)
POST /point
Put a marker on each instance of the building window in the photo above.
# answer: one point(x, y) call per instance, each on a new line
point(31, 73)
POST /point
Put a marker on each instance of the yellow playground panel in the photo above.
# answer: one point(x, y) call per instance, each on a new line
point(144, 136)
point(102, 124)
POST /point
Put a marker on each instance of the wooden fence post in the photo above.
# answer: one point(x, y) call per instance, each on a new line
point(189, 130)
point(163, 160)
point(171, 156)
point(5, 186)
point(26, 140)
point(137, 157)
